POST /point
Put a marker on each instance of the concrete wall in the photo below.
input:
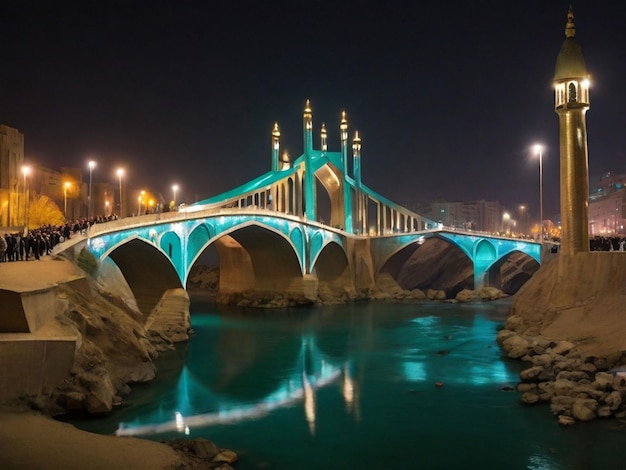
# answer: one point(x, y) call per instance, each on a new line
point(33, 366)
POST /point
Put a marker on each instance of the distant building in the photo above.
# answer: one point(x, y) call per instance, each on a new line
point(607, 206)
point(482, 216)
point(12, 188)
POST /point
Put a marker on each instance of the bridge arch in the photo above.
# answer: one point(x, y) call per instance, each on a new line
point(256, 257)
point(147, 270)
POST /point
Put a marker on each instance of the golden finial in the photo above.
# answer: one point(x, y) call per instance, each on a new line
point(356, 142)
point(570, 29)
point(307, 108)
point(276, 132)
point(323, 129)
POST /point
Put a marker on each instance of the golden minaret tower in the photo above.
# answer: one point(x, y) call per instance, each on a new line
point(571, 92)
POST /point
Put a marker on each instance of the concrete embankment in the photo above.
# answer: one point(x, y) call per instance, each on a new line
point(36, 353)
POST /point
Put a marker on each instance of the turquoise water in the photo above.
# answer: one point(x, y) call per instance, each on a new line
point(361, 386)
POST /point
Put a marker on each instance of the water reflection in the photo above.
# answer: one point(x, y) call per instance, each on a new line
point(310, 371)
point(244, 369)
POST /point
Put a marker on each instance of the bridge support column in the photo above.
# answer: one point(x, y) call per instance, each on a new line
point(481, 275)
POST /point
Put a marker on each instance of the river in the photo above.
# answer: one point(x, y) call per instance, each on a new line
point(360, 386)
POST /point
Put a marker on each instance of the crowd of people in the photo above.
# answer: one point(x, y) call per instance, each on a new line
point(607, 244)
point(39, 242)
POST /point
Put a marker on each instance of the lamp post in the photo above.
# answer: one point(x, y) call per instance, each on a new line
point(120, 173)
point(25, 172)
point(92, 165)
point(65, 188)
point(174, 189)
point(539, 152)
point(506, 217)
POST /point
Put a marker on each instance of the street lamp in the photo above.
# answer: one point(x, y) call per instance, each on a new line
point(25, 172)
point(120, 173)
point(92, 165)
point(65, 188)
point(506, 217)
point(174, 189)
point(539, 152)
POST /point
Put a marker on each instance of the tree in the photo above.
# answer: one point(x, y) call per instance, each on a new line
point(43, 211)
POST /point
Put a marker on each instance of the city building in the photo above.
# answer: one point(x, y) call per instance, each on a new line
point(12, 179)
point(481, 215)
point(607, 206)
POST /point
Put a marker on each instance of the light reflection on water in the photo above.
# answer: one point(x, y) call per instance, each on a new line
point(354, 387)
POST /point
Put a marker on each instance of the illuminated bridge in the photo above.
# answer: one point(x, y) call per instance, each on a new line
point(305, 225)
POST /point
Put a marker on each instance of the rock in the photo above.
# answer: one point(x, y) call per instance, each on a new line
point(530, 398)
point(504, 335)
point(584, 409)
point(560, 405)
point(563, 387)
point(467, 295)
point(613, 400)
point(562, 347)
point(604, 380)
point(531, 374)
point(566, 420)
point(604, 412)
point(515, 346)
point(98, 403)
point(526, 387)
point(542, 360)
point(203, 448)
point(226, 456)
point(436, 294)
point(418, 294)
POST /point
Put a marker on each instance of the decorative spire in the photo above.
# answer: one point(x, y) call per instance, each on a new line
point(356, 142)
point(570, 29)
point(344, 126)
point(308, 115)
point(324, 136)
point(276, 131)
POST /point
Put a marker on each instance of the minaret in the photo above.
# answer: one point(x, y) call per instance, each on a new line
point(343, 128)
point(309, 179)
point(347, 194)
point(356, 156)
point(571, 88)
point(275, 147)
point(324, 137)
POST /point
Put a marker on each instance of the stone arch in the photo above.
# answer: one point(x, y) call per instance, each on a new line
point(332, 264)
point(253, 257)
point(425, 263)
point(147, 270)
point(511, 271)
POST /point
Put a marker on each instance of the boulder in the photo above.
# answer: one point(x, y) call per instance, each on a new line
point(531, 374)
point(604, 380)
point(584, 409)
point(515, 346)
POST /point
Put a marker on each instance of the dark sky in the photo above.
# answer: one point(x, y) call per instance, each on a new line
point(448, 96)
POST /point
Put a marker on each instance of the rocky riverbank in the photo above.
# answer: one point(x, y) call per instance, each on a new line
point(567, 323)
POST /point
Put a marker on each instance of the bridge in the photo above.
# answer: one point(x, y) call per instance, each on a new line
point(303, 226)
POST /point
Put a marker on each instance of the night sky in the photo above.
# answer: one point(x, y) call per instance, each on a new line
point(448, 96)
